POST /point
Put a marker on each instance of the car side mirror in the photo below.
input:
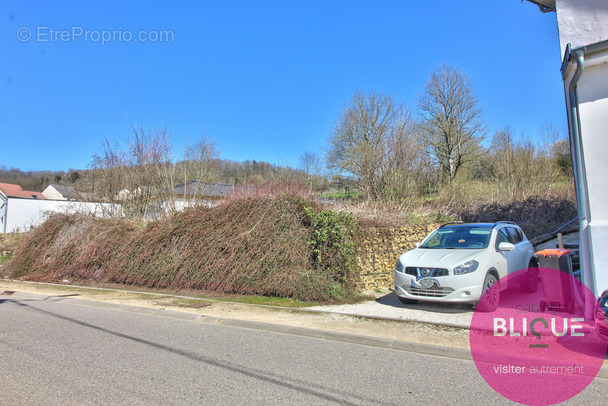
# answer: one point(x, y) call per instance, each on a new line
point(506, 246)
point(416, 244)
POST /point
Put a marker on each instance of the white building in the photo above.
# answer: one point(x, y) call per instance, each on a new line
point(583, 37)
point(60, 192)
point(20, 210)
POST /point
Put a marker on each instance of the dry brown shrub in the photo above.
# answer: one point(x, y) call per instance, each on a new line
point(10, 241)
point(280, 188)
point(536, 215)
point(247, 245)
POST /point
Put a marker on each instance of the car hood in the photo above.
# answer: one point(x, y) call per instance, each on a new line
point(438, 258)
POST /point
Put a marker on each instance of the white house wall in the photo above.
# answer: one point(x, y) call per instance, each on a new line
point(581, 22)
point(593, 103)
point(593, 112)
point(23, 214)
point(182, 204)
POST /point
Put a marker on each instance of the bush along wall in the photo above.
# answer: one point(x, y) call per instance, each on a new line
point(273, 246)
point(333, 247)
point(286, 247)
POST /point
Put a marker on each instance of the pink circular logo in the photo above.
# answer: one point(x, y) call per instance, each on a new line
point(536, 347)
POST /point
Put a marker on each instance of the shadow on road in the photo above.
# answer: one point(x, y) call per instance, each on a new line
point(392, 300)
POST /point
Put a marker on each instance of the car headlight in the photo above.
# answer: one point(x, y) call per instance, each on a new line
point(399, 267)
point(467, 267)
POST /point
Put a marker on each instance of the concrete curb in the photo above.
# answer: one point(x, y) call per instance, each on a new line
point(294, 309)
point(402, 320)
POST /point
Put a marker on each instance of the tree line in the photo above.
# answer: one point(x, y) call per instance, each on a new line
point(378, 147)
point(394, 154)
point(142, 172)
point(37, 181)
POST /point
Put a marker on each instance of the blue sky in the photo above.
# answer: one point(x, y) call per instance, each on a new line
point(265, 79)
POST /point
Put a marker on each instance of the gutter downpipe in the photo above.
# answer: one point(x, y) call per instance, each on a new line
point(5, 215)
point(579, 173)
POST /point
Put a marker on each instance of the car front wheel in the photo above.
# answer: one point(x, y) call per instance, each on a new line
point(490, 295)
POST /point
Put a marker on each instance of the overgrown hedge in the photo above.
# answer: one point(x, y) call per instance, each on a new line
point(535, 215)
point(287, 247)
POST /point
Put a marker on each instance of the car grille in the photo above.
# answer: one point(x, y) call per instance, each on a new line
point(436, 292)
point(434, 272)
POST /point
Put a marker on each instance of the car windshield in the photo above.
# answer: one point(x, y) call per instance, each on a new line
point(459, 237)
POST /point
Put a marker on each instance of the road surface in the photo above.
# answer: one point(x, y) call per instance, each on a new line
point(58, 352)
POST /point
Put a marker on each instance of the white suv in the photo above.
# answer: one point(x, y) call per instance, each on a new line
point(460, 262)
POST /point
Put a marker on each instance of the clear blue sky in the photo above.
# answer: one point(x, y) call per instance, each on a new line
point(265, 79)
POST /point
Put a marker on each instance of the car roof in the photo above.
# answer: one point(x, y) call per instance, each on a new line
point(488, 225)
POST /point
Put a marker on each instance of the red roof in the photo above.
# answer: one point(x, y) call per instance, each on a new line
point(10, 190)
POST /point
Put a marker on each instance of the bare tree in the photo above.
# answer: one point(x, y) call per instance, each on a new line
point(557, 146)
point(560, 152)
point(202, 158)
point(109, 168)
point(373, 134)
point(502, 152)
point(453, 124)
point(521, 167)
point(310, 163)
point(138, 173)
point(201, 165)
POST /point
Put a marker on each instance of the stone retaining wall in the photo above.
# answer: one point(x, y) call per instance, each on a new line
point(381, 247)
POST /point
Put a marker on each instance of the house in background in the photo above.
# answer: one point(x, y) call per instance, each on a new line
point(196, 193)
point(60, 192)
point(8, 190)
point(20, 210)
point(14, 195)
point(212, 191)
point(154, 204)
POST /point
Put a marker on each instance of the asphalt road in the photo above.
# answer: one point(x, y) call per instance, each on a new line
point(68, 352)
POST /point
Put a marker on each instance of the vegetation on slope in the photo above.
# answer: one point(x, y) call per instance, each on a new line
point(264, 245)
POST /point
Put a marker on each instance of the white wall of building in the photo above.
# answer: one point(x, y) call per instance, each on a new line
point(593, 103)
point(593, 112)
point(581, 22)
point(20, 215)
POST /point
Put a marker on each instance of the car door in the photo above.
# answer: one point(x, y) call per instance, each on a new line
point(520, 253)
point(508, 263)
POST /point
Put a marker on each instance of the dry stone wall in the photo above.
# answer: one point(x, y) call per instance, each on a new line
point(379, 249)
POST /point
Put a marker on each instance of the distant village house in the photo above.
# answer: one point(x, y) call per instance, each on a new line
point(200, 193)
point(8, 190)
point(60, 192)
point(20, 210)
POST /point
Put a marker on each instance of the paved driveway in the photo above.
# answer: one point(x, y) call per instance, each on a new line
point(389, 307)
